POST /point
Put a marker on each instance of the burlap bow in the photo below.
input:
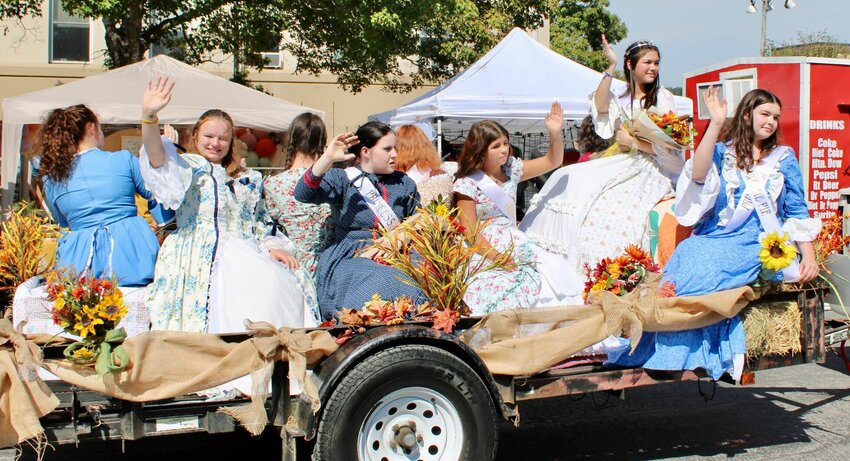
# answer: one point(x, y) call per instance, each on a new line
point(297, 347)
point(24, 398)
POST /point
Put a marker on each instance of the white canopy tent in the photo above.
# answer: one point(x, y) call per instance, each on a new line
point(514, 83)
point(116, 97)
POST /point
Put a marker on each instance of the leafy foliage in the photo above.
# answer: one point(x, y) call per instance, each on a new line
point(401, 44)
point(818, 44)
point(22, 237)
point(577, 27)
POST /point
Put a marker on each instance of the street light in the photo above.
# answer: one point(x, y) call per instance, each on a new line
point(766, 7)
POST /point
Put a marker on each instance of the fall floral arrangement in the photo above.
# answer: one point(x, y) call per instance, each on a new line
point(677, 127)
point(24, 237)
point(832, 238)
point(438, 255)
point(90, 308)
point(622, 274)
point(661, 129)
point(831, 241)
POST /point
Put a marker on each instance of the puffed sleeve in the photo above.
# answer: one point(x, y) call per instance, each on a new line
point(466, 186)
point(169, 182)
point(793, 207)
point(329, 188)
point(694, 200)
point(161, 215)
point(605, 125)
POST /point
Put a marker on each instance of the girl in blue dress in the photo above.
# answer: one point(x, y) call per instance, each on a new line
point(715, 195)
point(343, 280)
point(223, 264)
point(92, 192)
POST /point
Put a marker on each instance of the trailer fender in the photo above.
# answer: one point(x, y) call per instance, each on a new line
point(330, 371)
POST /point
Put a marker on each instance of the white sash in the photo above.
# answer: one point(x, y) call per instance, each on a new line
point(755, 198)
point(373, 198)
point(495, 193)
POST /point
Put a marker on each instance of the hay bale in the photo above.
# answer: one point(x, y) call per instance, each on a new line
point(772, 329)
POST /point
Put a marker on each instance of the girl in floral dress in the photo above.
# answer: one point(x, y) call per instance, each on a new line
point(309, 227)
point(718, 193)
point(486, 190)
point(221, 266)
point(594, 210)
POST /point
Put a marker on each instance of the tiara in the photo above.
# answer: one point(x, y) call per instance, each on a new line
point(640, 44)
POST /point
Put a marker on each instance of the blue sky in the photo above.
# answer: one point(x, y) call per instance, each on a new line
point(693, 34)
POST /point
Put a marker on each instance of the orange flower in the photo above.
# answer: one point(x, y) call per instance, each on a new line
point(637, 254)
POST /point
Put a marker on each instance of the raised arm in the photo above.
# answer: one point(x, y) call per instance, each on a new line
point(704, 153)
point(555, 155)
point(312, 187)
point(603, 91)
point(337, 151)
point(157, 96)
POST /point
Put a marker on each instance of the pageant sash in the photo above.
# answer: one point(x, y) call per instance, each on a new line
point(755, 198)
point(373, 198)
point(495, 193)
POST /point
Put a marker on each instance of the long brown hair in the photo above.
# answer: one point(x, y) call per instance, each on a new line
point(229, 162)
point(742, 135)
point(587, 140)
point(307, 135)
point(58, 139)
point(634, 52)
point(474, 150)
point(414, 148)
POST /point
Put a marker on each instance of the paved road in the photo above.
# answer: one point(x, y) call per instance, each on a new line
point(795, 413)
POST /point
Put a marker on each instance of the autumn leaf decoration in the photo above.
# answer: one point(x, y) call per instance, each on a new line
point(437, 254)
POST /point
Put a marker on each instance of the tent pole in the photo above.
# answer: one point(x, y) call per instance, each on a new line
point(440, 136)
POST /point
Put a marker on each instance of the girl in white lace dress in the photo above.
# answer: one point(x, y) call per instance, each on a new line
point(592, 210)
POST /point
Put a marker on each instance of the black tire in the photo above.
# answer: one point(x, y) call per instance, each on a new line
point(364, 391)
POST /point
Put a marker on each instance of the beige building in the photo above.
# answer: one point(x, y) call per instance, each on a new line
point(58, 48)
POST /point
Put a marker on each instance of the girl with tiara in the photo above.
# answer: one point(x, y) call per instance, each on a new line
point(593, 210)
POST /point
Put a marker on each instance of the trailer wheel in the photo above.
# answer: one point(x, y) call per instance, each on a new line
point(409, 402)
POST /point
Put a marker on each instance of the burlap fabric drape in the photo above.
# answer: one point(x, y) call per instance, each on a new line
point(23, 396)
point(499, 341)
point(162, 365)
point(170, 364)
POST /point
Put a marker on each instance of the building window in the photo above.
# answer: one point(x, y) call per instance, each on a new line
point(702, 109)
point(69, 36)
point(733, 86)
point(736, 84)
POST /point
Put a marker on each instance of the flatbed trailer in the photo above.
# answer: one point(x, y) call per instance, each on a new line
point(401, 392)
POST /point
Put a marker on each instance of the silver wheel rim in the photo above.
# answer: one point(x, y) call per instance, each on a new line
point(405, 415)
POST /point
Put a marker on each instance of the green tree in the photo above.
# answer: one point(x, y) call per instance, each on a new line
point(576, 28)
point(819, 44)
point(401, 43)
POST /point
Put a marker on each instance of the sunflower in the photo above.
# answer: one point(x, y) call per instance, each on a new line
point(83, 353)
point(112, 307)
point(615, 270)
point(776, 253)
point(442, 211)
point(87, 321)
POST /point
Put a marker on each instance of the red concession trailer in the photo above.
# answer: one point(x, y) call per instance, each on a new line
point(815, 94)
